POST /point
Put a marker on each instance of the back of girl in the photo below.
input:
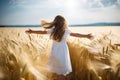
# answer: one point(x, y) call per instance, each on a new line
point(59, 60)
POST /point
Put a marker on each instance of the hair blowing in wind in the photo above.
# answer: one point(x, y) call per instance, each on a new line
point(59, 25)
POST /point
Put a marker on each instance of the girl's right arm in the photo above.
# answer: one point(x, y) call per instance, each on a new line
point(36, 32)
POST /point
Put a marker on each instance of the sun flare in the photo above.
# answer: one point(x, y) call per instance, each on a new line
point(71, 4)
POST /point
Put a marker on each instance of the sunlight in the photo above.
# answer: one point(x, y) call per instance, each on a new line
point(74, 10)
point(71, 7)
point(71, 4)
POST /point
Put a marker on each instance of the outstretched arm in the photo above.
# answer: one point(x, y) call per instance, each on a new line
point(89, 36)
point(36, 32)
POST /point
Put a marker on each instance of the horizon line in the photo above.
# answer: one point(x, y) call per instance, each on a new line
point(97, 23)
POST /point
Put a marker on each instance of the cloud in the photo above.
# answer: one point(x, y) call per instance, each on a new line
point(101, 3)
point(76, 11)
point(61, 4)
point(28, 4)
point(108, 2)
point(101, 15)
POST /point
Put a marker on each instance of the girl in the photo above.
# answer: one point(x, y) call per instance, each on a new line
point(59, 61)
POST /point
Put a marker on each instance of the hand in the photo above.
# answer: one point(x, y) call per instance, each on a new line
point(43, 22)
point(90, 36)
point(28, 31)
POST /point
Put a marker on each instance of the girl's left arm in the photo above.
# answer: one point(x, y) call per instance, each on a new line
point(89, 36)
point(35, 32)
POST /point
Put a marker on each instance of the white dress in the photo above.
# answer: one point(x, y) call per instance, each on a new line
point(59, 61)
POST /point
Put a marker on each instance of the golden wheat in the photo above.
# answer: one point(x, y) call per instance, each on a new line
point(24, 57)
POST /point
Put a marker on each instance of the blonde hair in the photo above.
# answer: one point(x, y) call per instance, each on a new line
point(59, 25)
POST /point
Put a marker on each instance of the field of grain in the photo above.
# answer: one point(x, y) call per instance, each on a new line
point(24, 57)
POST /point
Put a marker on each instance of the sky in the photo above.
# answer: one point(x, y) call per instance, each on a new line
point(23, 12)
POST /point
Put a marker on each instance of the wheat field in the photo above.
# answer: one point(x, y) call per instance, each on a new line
point(25, 57)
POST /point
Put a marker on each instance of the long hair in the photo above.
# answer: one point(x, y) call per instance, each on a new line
point(59, 25)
